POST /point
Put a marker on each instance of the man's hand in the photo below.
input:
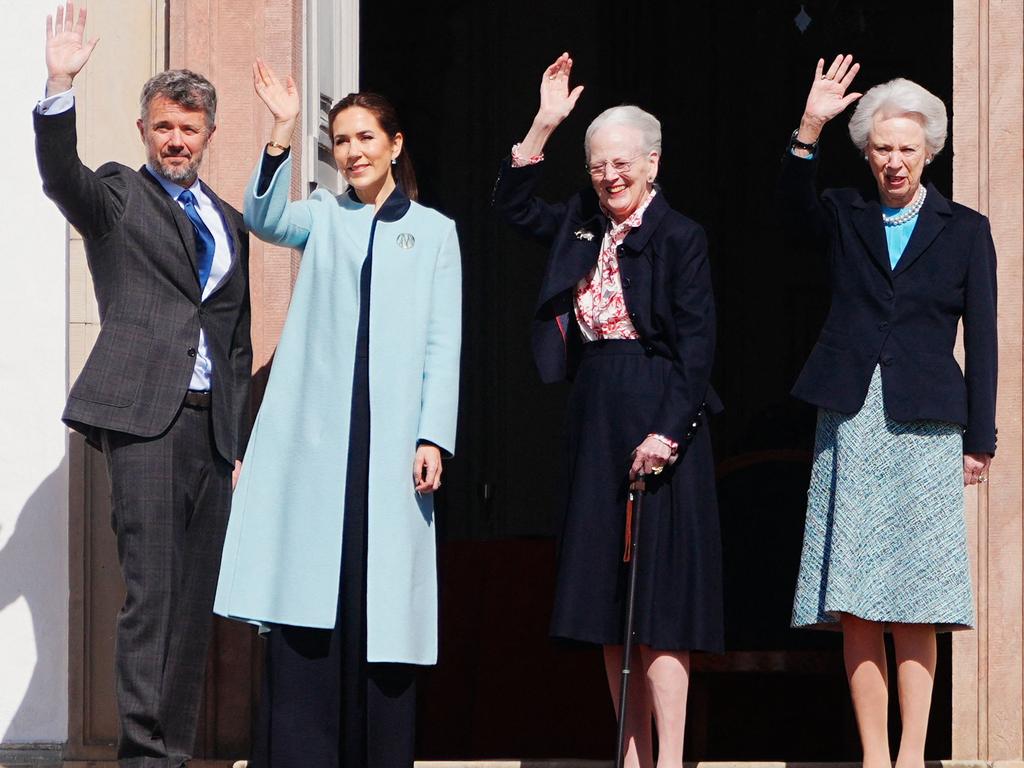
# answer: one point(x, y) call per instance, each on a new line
point(66, 51)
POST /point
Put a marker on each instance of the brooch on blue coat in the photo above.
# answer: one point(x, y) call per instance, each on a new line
point(405, 241)
point(584, 234)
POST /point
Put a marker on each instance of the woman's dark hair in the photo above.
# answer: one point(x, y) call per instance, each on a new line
point(382, 109)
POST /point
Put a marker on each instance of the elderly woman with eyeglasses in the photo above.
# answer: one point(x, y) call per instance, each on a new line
point(626, 313)
point(901, 430)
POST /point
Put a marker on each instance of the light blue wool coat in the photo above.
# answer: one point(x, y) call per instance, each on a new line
point(282, 553)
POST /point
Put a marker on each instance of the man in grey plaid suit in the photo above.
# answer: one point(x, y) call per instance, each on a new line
point(164, 392)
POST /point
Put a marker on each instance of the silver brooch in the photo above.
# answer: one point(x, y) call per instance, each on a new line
point(584, 234)
point(405, 241)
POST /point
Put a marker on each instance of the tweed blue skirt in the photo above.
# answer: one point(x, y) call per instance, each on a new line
point(885, 538)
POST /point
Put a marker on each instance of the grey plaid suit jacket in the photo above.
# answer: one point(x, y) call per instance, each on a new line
point(140, 248)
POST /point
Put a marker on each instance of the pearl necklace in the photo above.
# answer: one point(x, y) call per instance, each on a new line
point(907, 213)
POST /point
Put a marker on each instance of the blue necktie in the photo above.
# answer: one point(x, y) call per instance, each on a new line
point(204, 238)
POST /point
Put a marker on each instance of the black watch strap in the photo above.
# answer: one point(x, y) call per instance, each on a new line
point(795, 143)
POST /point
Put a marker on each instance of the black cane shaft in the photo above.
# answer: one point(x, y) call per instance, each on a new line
point(627, 641)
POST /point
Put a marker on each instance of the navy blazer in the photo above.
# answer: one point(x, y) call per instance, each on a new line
point(903, 318)
point(666, 285)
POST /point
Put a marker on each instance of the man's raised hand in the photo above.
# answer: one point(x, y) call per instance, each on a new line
point(66, 49)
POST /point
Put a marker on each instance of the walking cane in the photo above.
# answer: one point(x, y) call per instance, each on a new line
point(634, 507)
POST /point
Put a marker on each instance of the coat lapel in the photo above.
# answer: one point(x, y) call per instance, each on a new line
point(867, 220)
point(584, 244)
point(930, 222)
point(184, 226)
point(229, 227)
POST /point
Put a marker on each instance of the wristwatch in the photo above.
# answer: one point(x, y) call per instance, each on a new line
point(795, 143)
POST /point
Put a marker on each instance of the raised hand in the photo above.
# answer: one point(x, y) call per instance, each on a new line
point(556, 100)
point(828, 96)
point(281, 97)
point(66, 49)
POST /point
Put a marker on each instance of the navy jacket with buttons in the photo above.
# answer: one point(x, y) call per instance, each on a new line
point(904, 318)
point(666, 285)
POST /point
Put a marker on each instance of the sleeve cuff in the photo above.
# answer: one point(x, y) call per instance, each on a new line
point(56, 104)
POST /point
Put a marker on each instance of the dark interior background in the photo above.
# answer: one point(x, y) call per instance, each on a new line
point(728, 83)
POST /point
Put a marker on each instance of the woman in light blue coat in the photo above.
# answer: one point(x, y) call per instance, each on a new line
point(331, 542)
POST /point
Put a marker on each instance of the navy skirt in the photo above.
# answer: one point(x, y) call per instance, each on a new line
point(614, 405)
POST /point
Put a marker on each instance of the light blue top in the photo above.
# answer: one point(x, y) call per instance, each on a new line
point(897, 236)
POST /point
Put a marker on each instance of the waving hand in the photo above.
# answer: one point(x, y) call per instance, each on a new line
point(66, 49)
point(556, 102)
point(828, 96)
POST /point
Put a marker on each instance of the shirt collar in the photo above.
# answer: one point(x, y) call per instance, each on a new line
point(635, 219)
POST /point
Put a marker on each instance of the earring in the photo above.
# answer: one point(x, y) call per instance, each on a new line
point(394, 161)
point(865, 158)
point(927, 161)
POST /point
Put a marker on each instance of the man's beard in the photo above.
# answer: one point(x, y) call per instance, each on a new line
point(182, 175)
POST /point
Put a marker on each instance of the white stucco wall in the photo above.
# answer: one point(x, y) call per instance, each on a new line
point(33, 380)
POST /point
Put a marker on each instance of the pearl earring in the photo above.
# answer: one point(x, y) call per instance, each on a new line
point(927, 161)
point(394, 161)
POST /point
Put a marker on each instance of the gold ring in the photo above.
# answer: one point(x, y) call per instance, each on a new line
point(657, 470)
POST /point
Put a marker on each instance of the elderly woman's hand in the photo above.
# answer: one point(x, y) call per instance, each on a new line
point(828, 96)
point(556, 100)
point(651, 455)
point(976, 468)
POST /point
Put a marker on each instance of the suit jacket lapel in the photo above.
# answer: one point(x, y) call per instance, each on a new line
point(580, 256)
point(930, 222)
point(181, 221)
point(229, 227)
point(637, 239)
point(867, 220)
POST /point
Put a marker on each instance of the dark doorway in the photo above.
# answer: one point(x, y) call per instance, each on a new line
point(728, 83)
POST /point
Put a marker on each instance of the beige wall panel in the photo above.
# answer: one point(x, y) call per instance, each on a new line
point(242, 29)
point(1005, 208)
point(988, 88)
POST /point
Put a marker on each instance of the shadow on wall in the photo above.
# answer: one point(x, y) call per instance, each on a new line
point(27, 571)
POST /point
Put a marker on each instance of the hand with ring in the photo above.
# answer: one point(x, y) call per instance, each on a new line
point(976, 468)
point(650, 458)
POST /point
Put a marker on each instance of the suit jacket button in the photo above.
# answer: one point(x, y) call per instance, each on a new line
point(191, 351)
point(883, 325)
point(625, 282)
point(887, 360)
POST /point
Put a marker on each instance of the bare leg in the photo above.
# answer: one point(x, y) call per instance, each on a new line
point(638, 708)
point(915, 674)
point(864, 654)
point(668, 681)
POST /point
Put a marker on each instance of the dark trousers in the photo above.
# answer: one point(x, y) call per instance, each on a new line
point(170, 497)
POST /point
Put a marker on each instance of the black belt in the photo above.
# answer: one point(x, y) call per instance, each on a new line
point(197, 399)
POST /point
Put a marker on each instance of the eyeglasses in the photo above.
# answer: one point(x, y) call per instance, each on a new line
point(597, 170)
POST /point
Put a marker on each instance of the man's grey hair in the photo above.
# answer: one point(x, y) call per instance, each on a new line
point(632, 116)
point(896, 98)
point(183, 87)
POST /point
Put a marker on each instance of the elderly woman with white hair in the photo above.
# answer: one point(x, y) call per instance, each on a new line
point(626, 313)
point(901, 429)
